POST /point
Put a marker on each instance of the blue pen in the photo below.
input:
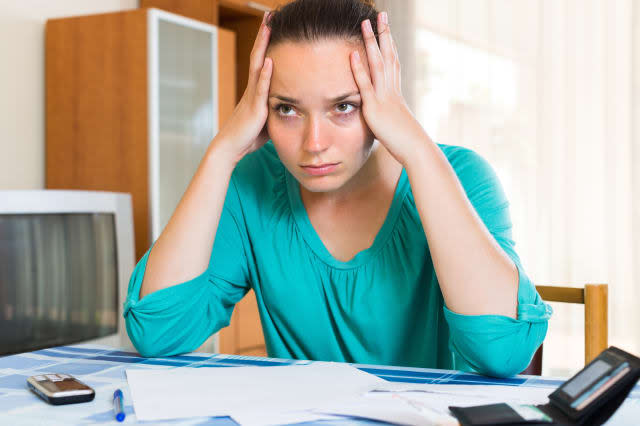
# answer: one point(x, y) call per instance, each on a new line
point(118, 405)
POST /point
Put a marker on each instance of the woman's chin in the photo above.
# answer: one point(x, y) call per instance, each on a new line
point(321, 183)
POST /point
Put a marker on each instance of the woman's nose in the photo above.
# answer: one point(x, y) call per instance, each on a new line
point(315, 139)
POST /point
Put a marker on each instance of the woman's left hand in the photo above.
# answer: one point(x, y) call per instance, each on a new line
point(383, 105)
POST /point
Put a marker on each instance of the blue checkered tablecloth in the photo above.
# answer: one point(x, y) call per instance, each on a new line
point(103, 369)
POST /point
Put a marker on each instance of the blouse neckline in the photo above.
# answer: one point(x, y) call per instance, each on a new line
point(312, 238)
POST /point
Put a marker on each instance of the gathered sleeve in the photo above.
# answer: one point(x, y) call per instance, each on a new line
point(496, 345)
point(179, 318)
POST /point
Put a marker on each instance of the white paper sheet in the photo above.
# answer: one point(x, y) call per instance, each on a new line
point(195, 392)
point(267, 419)
point(428, 404)
point(517, 394)
point(392, 408)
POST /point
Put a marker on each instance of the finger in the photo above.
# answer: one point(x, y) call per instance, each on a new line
point(256, 58)
point(374, 57)
point(395, 47)
point(360, 75)
point(384, 38)
point(396, 66)
point(264, 81)
point(255, 42)
point(260, 45)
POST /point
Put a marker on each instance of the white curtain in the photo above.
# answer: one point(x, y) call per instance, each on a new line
point(549, 92)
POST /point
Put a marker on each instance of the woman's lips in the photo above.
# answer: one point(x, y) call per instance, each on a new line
point(320, 170)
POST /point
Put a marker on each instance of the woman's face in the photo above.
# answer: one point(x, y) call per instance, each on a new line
point(315, 114)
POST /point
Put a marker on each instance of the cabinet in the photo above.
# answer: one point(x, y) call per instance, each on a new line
point(243, 17)
point(244, 334)
point(132, 101)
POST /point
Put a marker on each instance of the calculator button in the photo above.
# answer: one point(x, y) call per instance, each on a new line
point(64, 376)
point(53, 377)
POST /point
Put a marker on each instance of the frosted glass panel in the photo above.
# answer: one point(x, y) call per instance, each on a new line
point(186, 111)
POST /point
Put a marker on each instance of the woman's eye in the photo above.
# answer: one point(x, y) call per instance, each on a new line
point(345, 108)
point(284, 109)
point(288, 111)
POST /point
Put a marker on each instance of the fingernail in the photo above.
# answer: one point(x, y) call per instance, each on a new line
point(385, 18)
point(264, 17)
point(367, 26)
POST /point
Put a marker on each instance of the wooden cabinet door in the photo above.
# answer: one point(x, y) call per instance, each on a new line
point(253, 7)
point(205, 11)
point(244, 335)
point(241, 20)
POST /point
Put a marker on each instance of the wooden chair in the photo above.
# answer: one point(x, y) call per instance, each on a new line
point(594, 297)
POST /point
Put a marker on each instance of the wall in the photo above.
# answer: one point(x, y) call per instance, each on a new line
point(548, 92)
point(22, 121)
point(635, 135)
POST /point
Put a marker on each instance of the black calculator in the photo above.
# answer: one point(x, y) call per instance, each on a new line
point(594, 380)
point(588, 398)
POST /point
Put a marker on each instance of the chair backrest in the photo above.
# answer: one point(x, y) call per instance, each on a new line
point(594, 297)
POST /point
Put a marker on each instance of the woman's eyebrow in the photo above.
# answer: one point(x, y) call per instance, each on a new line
point(295, 101)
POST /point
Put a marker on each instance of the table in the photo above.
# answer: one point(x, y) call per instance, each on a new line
point(103, 368)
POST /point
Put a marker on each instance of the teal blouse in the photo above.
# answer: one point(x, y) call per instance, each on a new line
point(384, 306)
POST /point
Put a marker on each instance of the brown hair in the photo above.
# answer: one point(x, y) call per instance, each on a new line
point(314, 20)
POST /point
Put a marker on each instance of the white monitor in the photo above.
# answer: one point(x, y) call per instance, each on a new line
point(65, 262)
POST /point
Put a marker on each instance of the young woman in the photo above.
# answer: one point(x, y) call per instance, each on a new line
point(363, 240)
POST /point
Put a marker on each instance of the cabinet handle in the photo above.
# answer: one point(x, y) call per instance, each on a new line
point(256, 5)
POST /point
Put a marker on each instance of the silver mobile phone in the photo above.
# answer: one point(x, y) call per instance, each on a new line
point(58, 389)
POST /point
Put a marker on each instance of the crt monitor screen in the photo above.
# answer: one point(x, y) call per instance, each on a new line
point(58, 279)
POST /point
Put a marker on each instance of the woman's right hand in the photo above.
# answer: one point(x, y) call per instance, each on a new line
point(246, 130)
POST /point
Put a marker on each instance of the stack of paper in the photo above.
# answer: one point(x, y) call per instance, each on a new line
point(428, 404)
point(248, 394)
point(392, 408)
point(298, 393)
